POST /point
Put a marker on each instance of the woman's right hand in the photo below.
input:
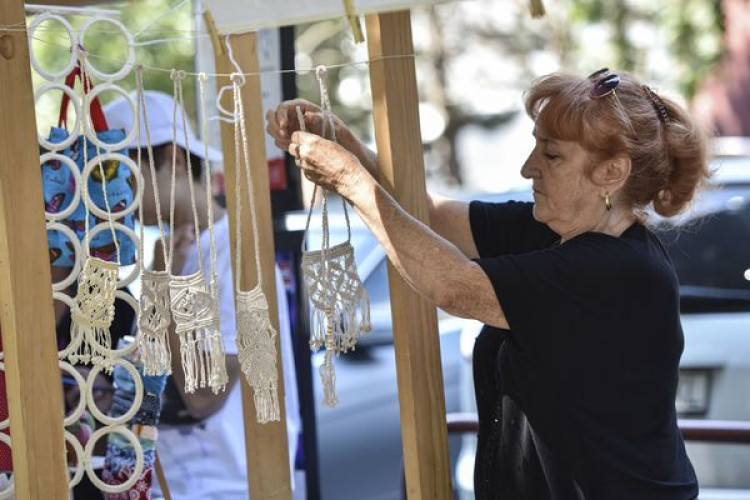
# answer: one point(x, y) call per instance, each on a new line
point(283, 122)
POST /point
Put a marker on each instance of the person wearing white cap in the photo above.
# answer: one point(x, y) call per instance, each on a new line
point(200, 444)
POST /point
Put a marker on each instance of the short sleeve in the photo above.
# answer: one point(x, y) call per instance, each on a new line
point(546, 292)
point(507, 228)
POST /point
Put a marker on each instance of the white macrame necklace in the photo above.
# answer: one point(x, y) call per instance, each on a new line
point(331, 279)
point(94, 304)
point(155, 318)
point(194, 303)
point(256, 336)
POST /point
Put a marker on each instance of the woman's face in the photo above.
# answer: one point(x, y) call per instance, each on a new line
point(564, 195)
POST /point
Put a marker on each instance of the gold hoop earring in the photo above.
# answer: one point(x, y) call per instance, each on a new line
point(607, 202)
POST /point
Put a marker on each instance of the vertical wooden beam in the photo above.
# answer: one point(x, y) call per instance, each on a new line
point(420, 377)
point(26, 309)
point(266, 445)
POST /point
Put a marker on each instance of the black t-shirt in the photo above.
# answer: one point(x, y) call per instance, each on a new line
point(576, 401)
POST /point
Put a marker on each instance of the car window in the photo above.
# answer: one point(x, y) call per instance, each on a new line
point(711, 251)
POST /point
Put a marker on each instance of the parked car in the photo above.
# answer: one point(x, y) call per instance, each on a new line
point(711, 253)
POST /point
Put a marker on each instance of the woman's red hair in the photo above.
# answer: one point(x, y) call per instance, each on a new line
point(669, 160)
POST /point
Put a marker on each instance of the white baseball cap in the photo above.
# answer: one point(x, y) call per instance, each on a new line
point(160, 110)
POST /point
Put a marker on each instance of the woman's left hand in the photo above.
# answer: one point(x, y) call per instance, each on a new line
point(326, 163)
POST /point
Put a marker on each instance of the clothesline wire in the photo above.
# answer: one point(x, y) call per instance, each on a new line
point(254, 73)
point(22, 27)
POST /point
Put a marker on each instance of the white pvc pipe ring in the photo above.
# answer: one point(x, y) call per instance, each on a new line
point(130, 60)
point(78, 475)
point(135, 474)
point(76, 194)
point(99, 160)
point(96, 412)
point(89, 126)
point(76, 128)
point(66, 282)
point(38, 20)
point(104, 226)
point(75, 416)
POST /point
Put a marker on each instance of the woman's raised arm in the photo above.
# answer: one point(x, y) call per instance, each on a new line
point(449, 218)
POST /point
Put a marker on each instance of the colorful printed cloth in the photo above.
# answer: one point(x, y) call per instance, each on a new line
point(121, 456)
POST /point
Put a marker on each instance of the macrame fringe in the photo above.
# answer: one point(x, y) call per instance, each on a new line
point(347, 327)
point(266, 405)
point(328, 378)
point(257, 352)
point(92, 337)
point(202, 356)
point(155, 352)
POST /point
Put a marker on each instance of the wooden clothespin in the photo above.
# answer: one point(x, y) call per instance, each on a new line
point(537, 8)
point(351, 15)
point(208, 18)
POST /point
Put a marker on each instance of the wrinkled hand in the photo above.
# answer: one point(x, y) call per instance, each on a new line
point(327, 163)
point(283, 121)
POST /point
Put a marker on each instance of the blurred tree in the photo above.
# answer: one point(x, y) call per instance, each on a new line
point(474, 58)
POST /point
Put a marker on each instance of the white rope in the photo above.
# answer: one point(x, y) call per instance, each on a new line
point(178, 77)
point(240, 116)
point(152, 169)
point(209, 190)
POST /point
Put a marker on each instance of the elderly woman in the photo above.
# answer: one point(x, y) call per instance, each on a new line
point(576, 370)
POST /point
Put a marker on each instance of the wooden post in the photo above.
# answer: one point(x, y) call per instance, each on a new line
point(26, 309)
point(417, 344)
point(266, 445)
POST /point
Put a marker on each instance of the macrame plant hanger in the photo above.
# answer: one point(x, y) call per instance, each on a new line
point(155, 317)
point(194, 303)
point(331, 278)
point(94, 304)
point(256, 336)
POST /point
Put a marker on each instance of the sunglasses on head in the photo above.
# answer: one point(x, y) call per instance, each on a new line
point(605, 83)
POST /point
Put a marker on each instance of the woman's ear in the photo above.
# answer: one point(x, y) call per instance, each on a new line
point(612, 174)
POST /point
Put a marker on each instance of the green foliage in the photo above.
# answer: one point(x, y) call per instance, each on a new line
point(108, 50)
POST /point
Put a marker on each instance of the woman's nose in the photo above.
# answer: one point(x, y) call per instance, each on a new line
point(528, 171)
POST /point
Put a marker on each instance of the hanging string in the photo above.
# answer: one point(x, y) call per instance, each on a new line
point(213, 285)
point(242, 131)
point(84, 79)
point(152, 169)
point(179, 76)
point(299, 71)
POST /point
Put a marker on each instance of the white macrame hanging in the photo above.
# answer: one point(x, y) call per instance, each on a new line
point(256, 336)
point(331, 278)
point(155, 317)
point(194, 303)
point(94, 304)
